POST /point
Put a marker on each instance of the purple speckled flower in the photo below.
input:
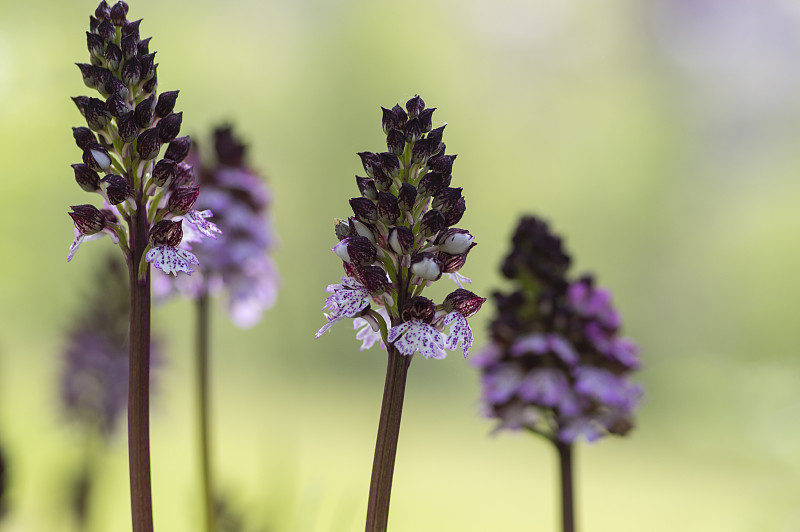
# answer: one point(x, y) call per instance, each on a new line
point(239, 261)
point(556, 364)
point(401, 239)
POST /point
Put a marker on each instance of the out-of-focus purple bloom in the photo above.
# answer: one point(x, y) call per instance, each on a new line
point(238, 262)
point(556, 364)
point(94, 375)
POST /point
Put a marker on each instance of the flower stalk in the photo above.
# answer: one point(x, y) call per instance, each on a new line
point(202, 346)
point(567, 494)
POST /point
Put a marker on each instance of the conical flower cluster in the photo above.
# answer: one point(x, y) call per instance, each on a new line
point(127, 129)
point(556, 364)
point(400, 239)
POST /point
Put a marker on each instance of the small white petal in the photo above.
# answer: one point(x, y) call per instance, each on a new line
point(171, 260)
point(415, 335)
point(460, 332)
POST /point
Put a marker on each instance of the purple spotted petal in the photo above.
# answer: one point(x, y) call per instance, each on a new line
point(172, 260)
point(414, 335)
point(350, 297)
point(198, 219)
point(460, 332)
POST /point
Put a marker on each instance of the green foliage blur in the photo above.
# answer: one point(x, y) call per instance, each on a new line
point(570, 110)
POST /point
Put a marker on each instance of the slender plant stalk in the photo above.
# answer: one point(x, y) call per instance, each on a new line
point(567, 497)
point(139, 378)
point(203, 332)
point(380, 488)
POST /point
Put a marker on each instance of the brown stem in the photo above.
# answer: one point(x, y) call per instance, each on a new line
point(139, 378)
point(380, 488)
point(203, 407)
point(567, 498)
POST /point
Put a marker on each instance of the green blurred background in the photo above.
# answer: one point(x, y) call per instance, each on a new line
point(658, 137)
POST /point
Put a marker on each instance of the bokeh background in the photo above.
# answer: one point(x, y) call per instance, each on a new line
point(659, 137)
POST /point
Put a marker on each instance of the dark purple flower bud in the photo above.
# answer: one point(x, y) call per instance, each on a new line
point(230, 151)
point(453, 215)
point(364, 209)
point(81, 102)
point(367, 187)
point(426, 119)
point(427, 266)
point(390, 164)
point(183, 176)
point(431, 183)
point(92, 75)
point(113, 56)
point(147, 144)
point(400, 113)
point(407, 196)
point(464, 302)
point(422, 150)
point(126, 125)
point(106, 31)
point(356, 250)
point(147, 65)
point(415, 106)
point(432, 222)
point(129, 47)
point(383, 182)
point(178, 148)
point(112, 85)
point(396, 141)
point(151, 84)
point(442, 164)
point(435, 136)
point(95, 44)
point(117, 106)
point(390, 120)
point(446, 199)
point(413, 130)
point(96, 157)
point(163, 171)
point(419, 308)
point(166, 102)
point(83, 137)
point(132, 71)
point(86, 178)
point(116, 188)
point(169, 127)
point(93, 23)
point(455, 241)
point(103, 11)
point(182, 199)
point(143, 48)
point(371, 162)
point(88, 219)
point(388, 208)
point(374, 279)
point(401, 240)
point(97, 116)
point(144, 112)
point(167, 233)
point(131, 28)
point(118, 13)
point(452, 263)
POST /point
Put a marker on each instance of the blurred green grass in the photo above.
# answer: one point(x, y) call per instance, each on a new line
point(562, 112)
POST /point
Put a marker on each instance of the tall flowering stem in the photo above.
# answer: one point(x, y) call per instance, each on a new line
point(202, 347)
point(556, 365)
point(145, 200)
point(401, 239)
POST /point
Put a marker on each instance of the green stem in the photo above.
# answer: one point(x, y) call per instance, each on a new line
point(139, 377)
point(203, 324)
point(567, 497)
point(380, 488)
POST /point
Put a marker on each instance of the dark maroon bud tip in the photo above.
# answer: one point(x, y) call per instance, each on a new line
point(88, 219)
point(129, 47)
point(90, 73)
point(93, 23)
point(388, 208)
point(390, 164)
point(374, 279)
point(400, 113)
point(184, 175)
point(396, 141)
point(401, 240)
point(452, 263)
point(442, 163)
point(413, 130)
point(146, 62)
point(178, 148)
point(95, 44)
point(163, 171)
point(426, 119)
point(431, 184)
point(432, 222)
point(367, 187)
point(364, 209)
point(147, 144)
point(86, 178)
point(113, 56)
point(453, 214)
point(143, 46)
point(131, 71)
point(106, 31)
point(166, 102)
point(126, 125)
point(390, 120)
point(151, 84)
point(116, 188)
point(464, 302)
point(103, 11)
point(81, 102)
point(371, 162)
point(169, 127)
point(131, 28)
point(407, 197)
point(166, 233)
point(435, 137)
point(117, 106)
point(144, 112)
point(415, 106)
point(422, 150)
point(112, 85)
point(419, 308)
point(83, 137)
point(182, 199)
point(118, 13)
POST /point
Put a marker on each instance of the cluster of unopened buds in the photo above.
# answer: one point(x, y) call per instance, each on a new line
point(126, 130)
point(401, 239)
